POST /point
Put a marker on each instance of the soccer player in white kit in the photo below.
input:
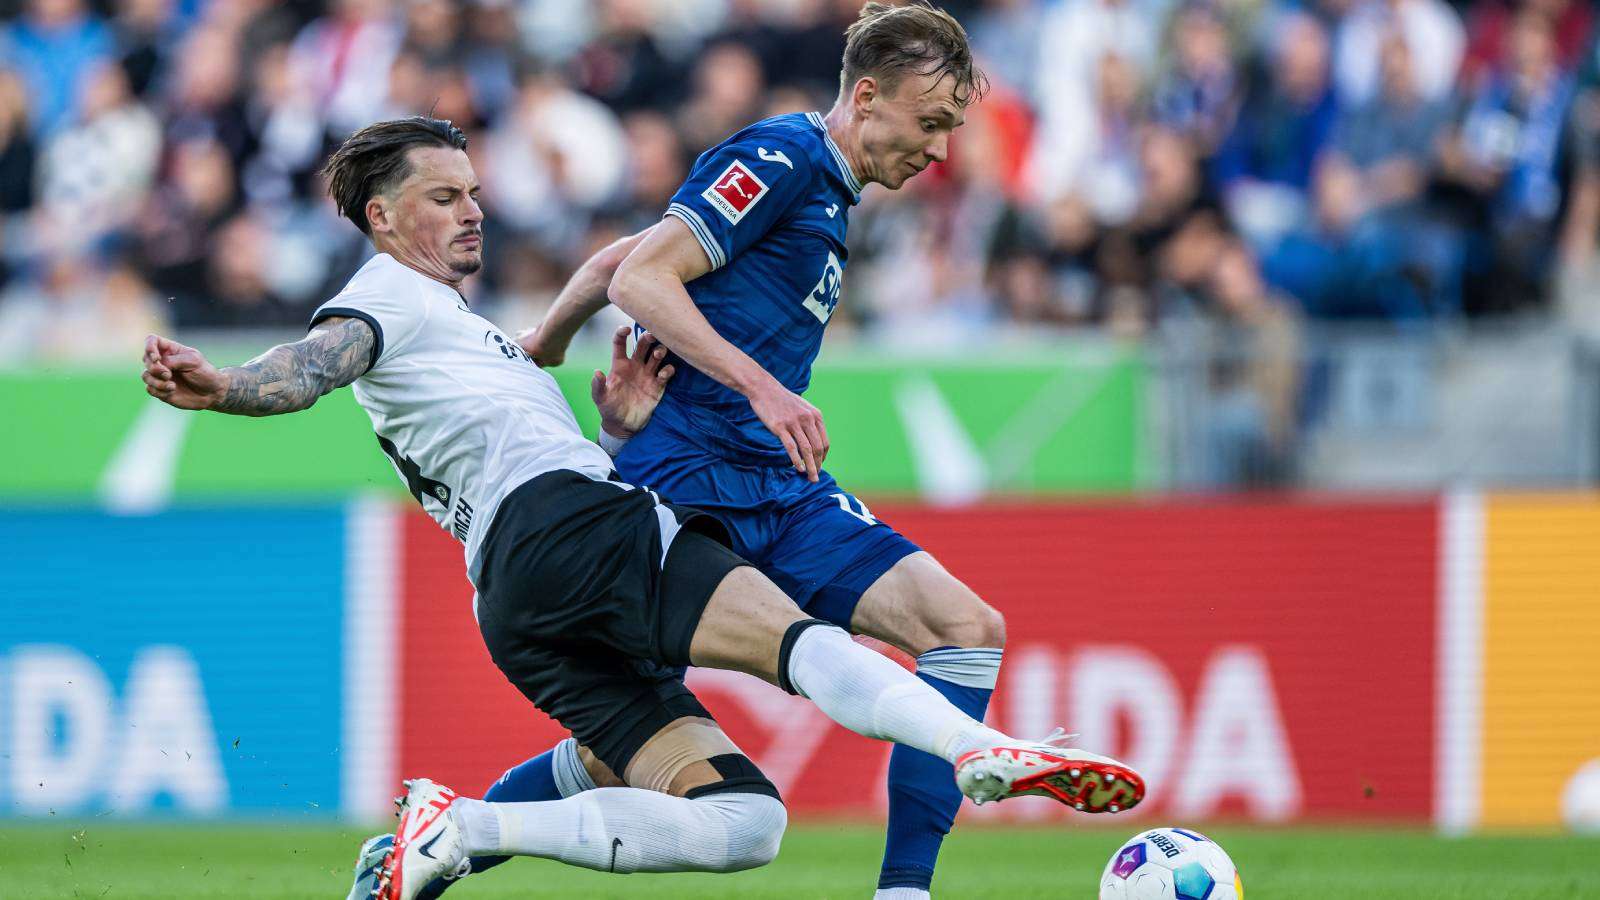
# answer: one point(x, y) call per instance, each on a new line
point(589, 590)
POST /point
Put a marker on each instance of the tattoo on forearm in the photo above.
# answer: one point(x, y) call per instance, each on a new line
point(291, 377)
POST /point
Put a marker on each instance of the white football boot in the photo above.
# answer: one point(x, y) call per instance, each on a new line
point(1082, 780)
point(427, 844)
point(369, 862)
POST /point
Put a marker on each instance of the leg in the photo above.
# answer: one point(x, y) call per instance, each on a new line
point(570, 768)
point(693, 802)
point(586, 595)
point(956, 638)
point(893, 609)
point(852, 569)
point(846, 566)
point(871, 695)
point(920, 607)
point(751, 626)
point(562, 771)
point(581, 599)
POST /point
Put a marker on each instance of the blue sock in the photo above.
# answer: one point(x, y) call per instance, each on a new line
point(923, 797)
point(535, 779)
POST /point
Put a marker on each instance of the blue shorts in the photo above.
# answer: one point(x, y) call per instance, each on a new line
point(817, 542)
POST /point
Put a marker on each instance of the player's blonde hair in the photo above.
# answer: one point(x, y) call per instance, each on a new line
point(890, 42)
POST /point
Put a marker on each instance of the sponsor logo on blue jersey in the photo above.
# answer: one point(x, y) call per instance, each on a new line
point(825, 296)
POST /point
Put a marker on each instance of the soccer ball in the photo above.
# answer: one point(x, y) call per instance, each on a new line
point(1170, 864)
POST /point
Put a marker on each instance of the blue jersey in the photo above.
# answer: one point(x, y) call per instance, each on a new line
point(769, 207)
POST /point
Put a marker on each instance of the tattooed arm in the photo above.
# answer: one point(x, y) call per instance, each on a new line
point(287, 378)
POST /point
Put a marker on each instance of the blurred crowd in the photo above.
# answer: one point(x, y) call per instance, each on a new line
point(1255, 164)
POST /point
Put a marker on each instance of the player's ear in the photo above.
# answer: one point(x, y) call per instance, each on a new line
point(378, 215)
point(864, 94)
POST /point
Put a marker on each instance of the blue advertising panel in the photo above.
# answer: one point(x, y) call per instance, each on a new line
point(185, 663)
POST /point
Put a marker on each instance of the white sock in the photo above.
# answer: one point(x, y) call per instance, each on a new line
point(630, 830)
point(901, 893)
point(871, 695)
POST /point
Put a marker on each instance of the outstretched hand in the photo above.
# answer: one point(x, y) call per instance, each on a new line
point(628, 395)
point(180, 375)
point(797, 425)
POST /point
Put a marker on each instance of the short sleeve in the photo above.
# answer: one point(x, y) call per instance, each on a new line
point(393, 317)
point(739, 192)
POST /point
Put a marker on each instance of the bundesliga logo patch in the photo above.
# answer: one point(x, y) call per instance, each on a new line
point(734, 192)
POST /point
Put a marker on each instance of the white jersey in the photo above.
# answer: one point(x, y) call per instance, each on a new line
point(463, 413)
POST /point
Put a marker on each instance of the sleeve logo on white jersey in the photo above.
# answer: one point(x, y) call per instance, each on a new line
point(735, 191)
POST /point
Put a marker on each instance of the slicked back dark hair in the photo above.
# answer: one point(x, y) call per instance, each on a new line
point(890, 42)
point(373, 161)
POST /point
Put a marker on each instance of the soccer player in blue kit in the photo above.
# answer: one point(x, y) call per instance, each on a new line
point(739, 280)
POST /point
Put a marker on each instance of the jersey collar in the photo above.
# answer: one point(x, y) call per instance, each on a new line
point(444, 291)
point(838, 157)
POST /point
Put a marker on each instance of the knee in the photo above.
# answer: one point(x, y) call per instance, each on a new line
point(971, 623)
point(755, 830)
point(991, 626)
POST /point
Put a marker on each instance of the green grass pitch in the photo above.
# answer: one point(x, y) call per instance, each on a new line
point(98, 858)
